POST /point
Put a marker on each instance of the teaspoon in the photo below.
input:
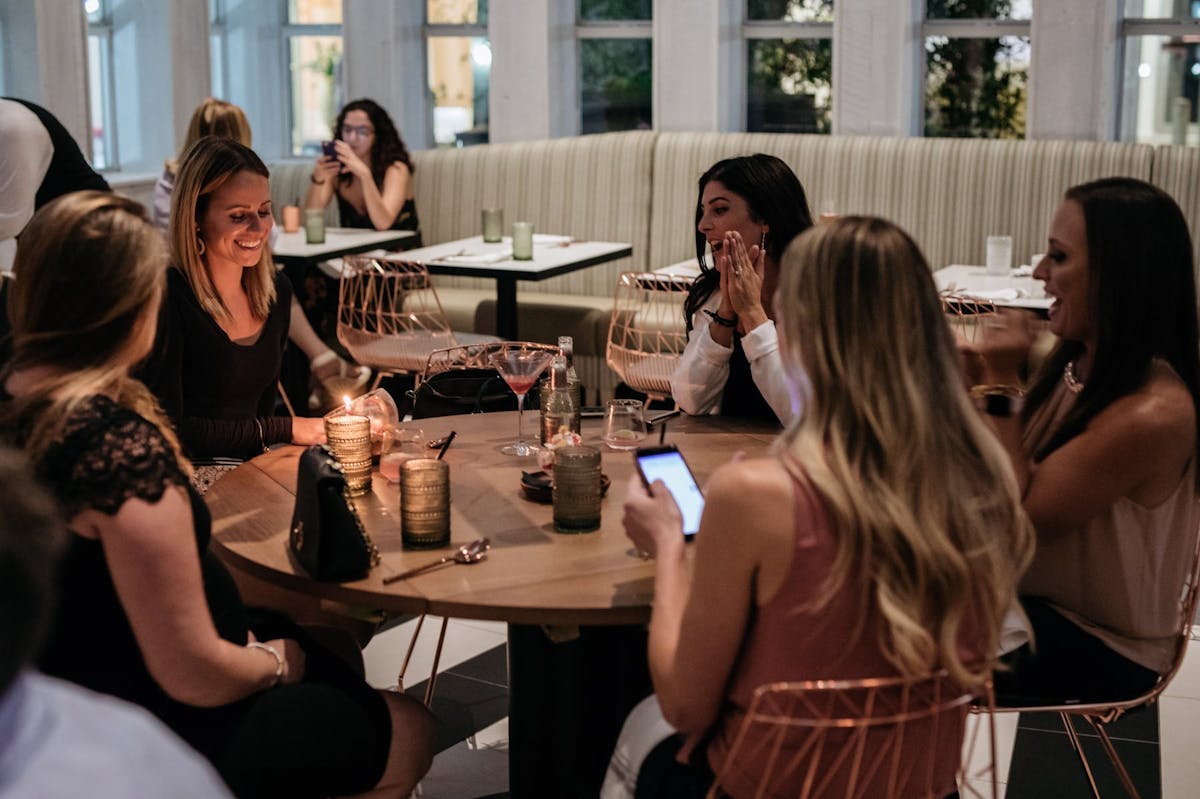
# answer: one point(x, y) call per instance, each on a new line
point(467, 553)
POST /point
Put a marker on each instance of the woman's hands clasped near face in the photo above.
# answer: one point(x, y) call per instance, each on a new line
point(652, 519)
point(741, 283)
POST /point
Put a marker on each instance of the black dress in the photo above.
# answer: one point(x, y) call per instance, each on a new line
point(327, 735)
point(219, 393)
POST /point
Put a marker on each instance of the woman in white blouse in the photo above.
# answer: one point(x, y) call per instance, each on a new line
point(748, 209)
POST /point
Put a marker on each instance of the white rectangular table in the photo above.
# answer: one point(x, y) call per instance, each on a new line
point(1001, 290)
point(473, 257)
point(292, 250)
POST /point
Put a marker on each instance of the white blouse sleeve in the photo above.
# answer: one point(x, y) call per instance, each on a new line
point(766, 367)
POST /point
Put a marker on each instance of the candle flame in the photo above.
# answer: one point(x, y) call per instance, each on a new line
point(346, 402)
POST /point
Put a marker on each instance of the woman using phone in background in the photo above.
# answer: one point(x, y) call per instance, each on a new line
point(369, 171)
point(884, 537)
point(747, 211)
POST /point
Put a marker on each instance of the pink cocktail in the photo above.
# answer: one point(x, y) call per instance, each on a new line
point(520, 367)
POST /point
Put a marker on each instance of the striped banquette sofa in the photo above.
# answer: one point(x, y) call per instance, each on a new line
point(640, 187)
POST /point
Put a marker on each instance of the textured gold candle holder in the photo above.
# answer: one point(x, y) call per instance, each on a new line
point(349, 437)
point(425, 503)
point(576, 489)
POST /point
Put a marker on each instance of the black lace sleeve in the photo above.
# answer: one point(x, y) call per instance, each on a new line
point(108, 454)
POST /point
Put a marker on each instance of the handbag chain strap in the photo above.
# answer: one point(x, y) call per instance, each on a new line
point(372, 550)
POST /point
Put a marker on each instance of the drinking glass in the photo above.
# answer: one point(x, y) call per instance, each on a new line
point(999, 255)
point(493, 224)
point(624, 424)
point(520, 367)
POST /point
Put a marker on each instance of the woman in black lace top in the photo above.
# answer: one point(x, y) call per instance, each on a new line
point(146, 612)
point(224, 323)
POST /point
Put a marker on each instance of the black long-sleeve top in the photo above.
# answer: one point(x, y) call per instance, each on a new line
point(218, 392)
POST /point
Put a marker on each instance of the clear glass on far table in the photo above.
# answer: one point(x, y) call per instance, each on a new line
point(624, 424)
point(520, 367)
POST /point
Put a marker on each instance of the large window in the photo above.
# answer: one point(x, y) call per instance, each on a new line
point(615, 65)
point(976, 67)
point(789, 65)
point(101, 98)
point(459, 70)
point(1161, 72)
point(313, 41)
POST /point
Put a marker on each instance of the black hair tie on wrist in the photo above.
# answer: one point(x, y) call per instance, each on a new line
point(720, 320)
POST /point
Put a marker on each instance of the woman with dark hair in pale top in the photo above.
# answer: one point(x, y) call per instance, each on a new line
point(1105, 445)
point(747, 211)
point(146, 612)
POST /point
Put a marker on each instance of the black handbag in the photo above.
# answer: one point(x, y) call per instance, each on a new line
point(327, 536)
point(471, 390)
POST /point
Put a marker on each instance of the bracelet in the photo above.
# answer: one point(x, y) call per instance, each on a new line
point(720, 320)
point(262, 438)
point(313, 179)
point(999, 399)
point(274, 653)
point(983, 389)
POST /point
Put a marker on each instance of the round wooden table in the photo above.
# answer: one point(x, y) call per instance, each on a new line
point(533, 576)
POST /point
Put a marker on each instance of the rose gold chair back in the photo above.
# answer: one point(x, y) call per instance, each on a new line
point(966, 314)
point(469, 356)
point(1100, 714)
point(858, 739)
point(389, 315)
point(647, 335)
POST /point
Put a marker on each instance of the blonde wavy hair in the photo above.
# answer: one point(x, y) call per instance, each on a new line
point(205, 167)
point(213, 117)
point(90, 271)
point(921, 496)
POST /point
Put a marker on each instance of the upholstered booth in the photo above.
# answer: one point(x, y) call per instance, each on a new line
point(640, 187)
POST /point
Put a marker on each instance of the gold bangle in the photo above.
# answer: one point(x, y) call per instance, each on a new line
point(985, 389)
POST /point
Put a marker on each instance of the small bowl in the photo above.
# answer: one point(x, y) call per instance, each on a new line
point(539, 486)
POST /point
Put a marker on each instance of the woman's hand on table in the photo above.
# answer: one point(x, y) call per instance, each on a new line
point(1000, 353)
point(307, 430)
point(652, 519)
point(744, 276)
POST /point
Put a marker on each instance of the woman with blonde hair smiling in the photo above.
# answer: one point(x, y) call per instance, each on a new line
point(227, 311)
point(884, 535)
point(146, 612)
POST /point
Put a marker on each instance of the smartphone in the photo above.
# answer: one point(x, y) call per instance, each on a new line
point(329, 148)
point(666, 463)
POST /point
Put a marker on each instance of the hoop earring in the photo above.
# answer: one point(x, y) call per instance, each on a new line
point(762, 243)
point(199, 245)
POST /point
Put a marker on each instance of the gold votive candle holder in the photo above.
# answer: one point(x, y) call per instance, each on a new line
point(349, 438)
point(576, 489)
point(424, 503)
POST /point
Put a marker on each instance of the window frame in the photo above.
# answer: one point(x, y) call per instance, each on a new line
point(586, 29)
point(982, 28)
point(1138, 27)
point(287, 31)
point(102, 30)
point(760, 29)
point(447, 30)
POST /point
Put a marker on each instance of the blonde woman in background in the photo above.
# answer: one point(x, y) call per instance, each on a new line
point(224, 120)
point(884, 536)
point(146, 613)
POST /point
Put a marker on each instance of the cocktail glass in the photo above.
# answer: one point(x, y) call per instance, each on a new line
point(520, 367)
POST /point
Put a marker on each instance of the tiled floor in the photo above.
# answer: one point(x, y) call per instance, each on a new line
point(1034, 757)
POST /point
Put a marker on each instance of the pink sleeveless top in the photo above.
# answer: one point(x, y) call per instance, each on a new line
point(1119, 576)
point(785, 643)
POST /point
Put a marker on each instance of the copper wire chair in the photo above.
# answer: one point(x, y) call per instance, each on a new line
point(1099, 715)
point(389, 316)
point(966, 315)
point(647, 335)
point(856, 739)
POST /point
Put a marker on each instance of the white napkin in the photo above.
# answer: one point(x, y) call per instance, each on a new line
point(1014, 630)
point(545, 238)
point(1000, 295)
point(480, 259)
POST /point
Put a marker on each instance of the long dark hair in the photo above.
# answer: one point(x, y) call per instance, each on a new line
point(774, 195)
point(1143, 301)
point(388, 147)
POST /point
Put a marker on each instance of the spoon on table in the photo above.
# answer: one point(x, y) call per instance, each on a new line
point(467, 553)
